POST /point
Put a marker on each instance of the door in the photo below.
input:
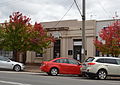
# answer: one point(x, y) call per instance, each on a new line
point(118, 61)
point(112, 66)
point(5, 63)
point(56, 51)
point(77, 53)
point(64, 66)
point(74, 66)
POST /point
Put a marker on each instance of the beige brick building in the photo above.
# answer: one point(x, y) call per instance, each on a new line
point(68, 43)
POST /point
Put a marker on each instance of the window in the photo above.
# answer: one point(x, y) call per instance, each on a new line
point(90, 59)
point(8, 54)
point(3, 58)
point(111, 61)
point(118, 61)
point(100, 60)
point(57, 61)
point(61, 61)
point(39, 55)
point(73, 62)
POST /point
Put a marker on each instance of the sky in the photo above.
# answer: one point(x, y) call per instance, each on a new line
point(54, 10)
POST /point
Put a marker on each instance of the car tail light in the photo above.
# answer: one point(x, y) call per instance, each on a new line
point(91, 63)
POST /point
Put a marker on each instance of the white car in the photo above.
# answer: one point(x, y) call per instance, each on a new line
point(6, 63)
point(101, 67)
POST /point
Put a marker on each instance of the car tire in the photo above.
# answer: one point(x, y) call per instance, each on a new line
point(17, 68)
point(102, 74)
point(54, 71)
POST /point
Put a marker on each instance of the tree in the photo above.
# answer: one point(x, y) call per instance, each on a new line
point(110, 40)
point(19, 36)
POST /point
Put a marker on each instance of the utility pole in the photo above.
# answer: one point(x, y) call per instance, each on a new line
point(83, 31)
point(83, 28)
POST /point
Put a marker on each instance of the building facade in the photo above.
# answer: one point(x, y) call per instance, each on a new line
point(102, 24)
point(68, 35)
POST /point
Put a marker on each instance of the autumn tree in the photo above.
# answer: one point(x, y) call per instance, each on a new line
point(19, 36)
point(109, 42)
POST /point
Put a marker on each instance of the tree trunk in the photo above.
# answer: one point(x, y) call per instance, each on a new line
point(15, 56)
point(24, 57)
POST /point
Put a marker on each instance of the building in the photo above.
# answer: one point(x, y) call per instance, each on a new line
point(68, 43)
point(102, 24)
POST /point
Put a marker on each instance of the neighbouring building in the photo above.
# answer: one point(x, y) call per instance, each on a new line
point(102, 24)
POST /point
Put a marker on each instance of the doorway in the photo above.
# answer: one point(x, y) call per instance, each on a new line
point(77, 52)
point(56, 50)
point(77, 47)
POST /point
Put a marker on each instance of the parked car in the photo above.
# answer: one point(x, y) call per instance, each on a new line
point(101, 67)
point(6, 63)
point(61, 65)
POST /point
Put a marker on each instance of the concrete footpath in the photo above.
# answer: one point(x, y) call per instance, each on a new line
point(32, 68)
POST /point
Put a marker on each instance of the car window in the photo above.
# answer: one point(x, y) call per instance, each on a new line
point(100, 60)
point(90, 59)
point(57, 61)
point(118, 61)
point(73, 62)
point(3, 58)
point(61, 61)
point(111, 61)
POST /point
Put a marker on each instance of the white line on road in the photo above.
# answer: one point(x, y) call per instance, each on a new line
point(13, 83)
point(18, 72)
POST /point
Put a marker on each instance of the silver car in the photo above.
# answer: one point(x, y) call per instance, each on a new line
point(6, 63)
point(101, 67)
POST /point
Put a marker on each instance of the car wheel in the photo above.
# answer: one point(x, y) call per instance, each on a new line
point(102, 74)
point(54, 71)
point(17, 68)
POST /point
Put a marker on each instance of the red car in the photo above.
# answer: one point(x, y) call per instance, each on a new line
point(61, 66)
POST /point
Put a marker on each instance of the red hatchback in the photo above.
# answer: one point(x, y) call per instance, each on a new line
point(61, 66)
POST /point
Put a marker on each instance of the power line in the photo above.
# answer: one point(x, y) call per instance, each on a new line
point(64, 15)
point(110, 15)
point(78, 7)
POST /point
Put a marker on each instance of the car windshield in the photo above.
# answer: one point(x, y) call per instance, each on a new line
point(118, 61)
point(90, 59)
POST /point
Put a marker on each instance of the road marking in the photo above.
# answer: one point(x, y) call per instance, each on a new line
point(13, 83)
point(18, 72)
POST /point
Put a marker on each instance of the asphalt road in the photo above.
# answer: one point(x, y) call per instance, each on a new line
point(26, 78)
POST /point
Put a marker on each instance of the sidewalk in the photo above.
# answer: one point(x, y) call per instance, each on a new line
point(32, 68)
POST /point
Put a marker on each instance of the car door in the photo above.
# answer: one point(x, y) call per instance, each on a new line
point(74, 66)
point(64, 66)
point(118, 61)
point(112, 66)
point(5, 63)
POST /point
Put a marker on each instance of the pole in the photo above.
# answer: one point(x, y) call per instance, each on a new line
point(83, 28)
point(83, 31)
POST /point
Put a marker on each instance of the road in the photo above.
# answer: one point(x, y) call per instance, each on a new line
point(27, 78)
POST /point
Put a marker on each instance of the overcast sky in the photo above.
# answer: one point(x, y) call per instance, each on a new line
point(53, 10)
